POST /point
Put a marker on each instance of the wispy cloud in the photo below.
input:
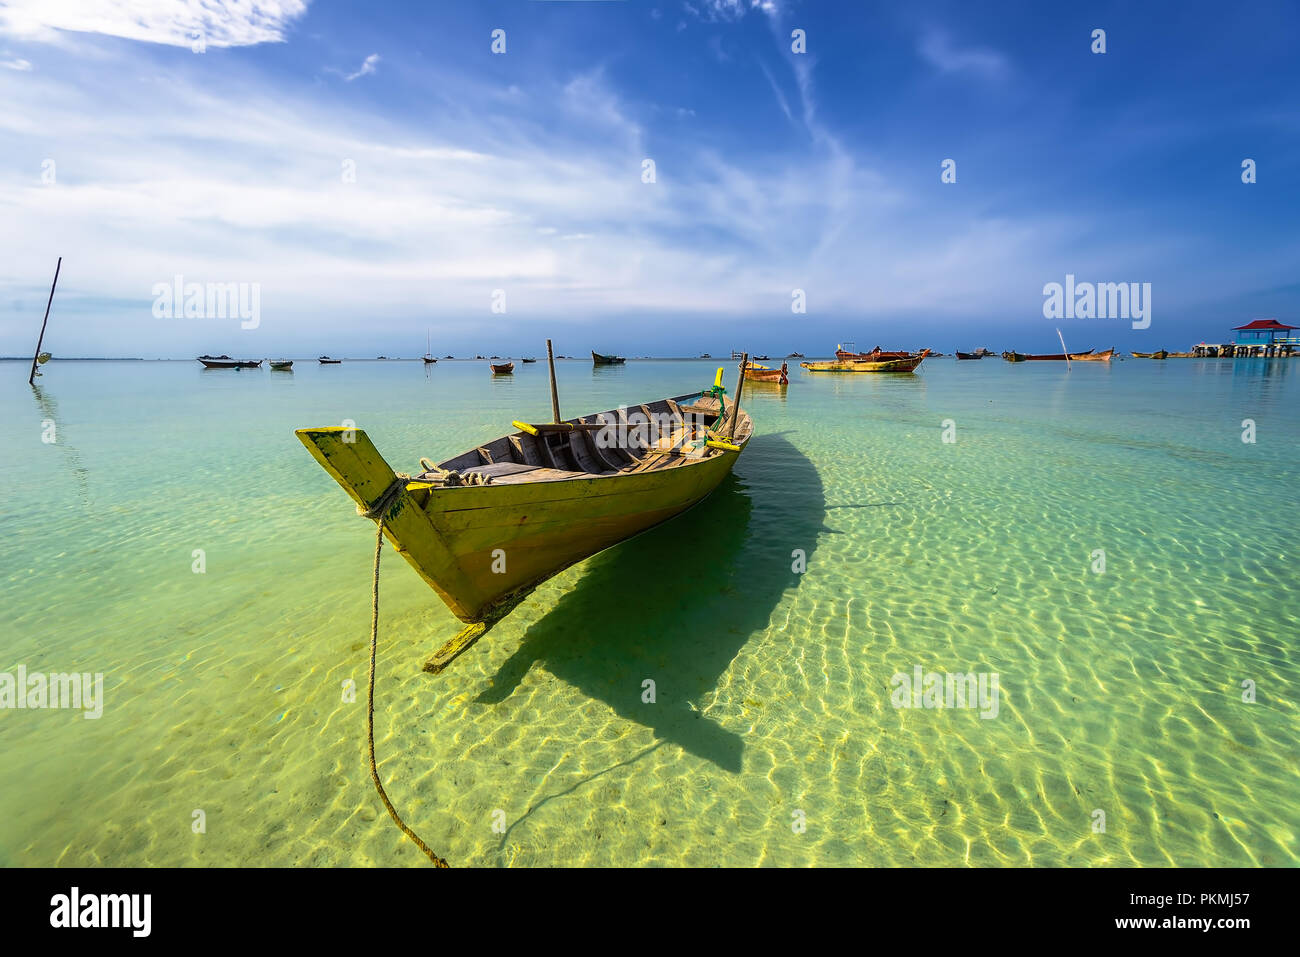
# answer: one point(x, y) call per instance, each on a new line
point(367, 67)
point(938, 49)
point(170, 22)
point(16, 64)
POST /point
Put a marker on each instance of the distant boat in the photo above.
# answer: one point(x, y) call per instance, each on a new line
point(969, 355)
point(282, 365)
point(506, 368)
point(449, 357)
point(1014, 356)
point(600, 360)
point(1150, 355)
point(327, 361)
point(225, 362)
point(706, 356)
point(1052, 357)
point(761, 358)
point(1091, 356)
point(795, 355)
point(1182, 355)
point(428, 356)
point(527, 360)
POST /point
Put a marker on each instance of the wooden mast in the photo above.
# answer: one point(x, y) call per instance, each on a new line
point(555, 396)
point(31, 379)
point(735, 405)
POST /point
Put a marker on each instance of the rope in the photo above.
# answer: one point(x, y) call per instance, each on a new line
point(376, 512)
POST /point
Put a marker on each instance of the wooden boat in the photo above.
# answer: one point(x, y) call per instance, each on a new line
point(1054, 357)
point(600, 360)
point(1091, 356)
point(795, 355)
point(282, 365)
point(327, 361)
point(1150, 355)
point(907, 364)
point(1014, 356)
point(526, 361)
point(225, 362)
point(505, 368)
point(1181, 355)
point(969, 355)
point(760, 373)
point(875, 355)
point(762, 358)
point(486, 527)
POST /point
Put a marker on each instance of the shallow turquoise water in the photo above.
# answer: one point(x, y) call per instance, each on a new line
point(1119, 691)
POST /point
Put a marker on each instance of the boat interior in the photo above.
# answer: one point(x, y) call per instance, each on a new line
point(665, 434)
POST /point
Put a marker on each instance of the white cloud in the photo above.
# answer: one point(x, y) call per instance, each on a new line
point(16, 64)
point(223, 23)
point(367, 67)
point(939, 51)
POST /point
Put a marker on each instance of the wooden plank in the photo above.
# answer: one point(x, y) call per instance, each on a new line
point(524, 450)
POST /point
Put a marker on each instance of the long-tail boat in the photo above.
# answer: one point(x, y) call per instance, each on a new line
point(1054, 356)
point(1091, 356)
point(601, 360)
point(1181, 355)
point(969, 355)
point(282, 365)
point(907, 364)
point(875, 355)
point(527, 361)
point(504, 368)
point(1014, 356)
point(327, 361)
point(486, 527)
point(761, 373)
point(1150, 355)
point(225, 362)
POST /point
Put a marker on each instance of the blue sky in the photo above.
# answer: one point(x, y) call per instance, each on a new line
point(522, 172)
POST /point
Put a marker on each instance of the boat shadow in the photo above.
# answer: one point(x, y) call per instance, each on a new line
point(677, 603)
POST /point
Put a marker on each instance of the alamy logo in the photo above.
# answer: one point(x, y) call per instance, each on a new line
point(208, 300)
point(930, 689)
point(38, 690)
point(1103, 300)
point(103, 910)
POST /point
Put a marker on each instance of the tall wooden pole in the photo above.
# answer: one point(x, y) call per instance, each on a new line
point(735, 405)
point(1063, 349)
point(31, 379)
point(555, 396)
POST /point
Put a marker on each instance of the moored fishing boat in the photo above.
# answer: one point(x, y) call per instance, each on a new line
point(1091, 356)
point(601, 360)
point(761, 373)
point(1150, 355)
point(1054, 356)
point(505, 368)
point(875, 355)
point(225, 362)
point(1181, 355)
point(282, 365)
point(969, 355)
point(1014, 356)
point(327, 361)
point(527, 361)
point(486, 527)
point(907, 364)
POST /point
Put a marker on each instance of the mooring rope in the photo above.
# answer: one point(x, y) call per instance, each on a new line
point(377, 513)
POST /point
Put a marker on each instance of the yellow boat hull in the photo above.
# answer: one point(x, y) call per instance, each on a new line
point(484, 547)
